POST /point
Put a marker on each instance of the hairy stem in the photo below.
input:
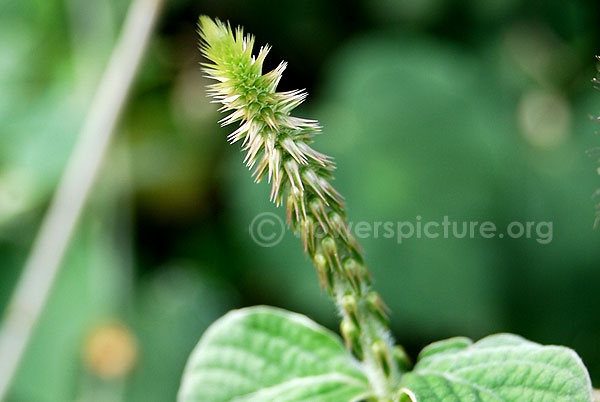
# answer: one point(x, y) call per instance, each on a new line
point(278, 148)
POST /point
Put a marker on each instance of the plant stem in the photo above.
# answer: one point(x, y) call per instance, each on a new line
point(43, 263)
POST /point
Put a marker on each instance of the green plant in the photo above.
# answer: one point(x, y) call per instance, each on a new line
point(266, 354)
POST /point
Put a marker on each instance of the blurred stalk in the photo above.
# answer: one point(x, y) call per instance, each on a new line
point(92, 40)
point(44, 261)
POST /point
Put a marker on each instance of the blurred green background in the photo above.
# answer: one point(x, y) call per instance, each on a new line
point(475, 109)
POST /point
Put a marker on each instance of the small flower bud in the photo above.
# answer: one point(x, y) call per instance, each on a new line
point(351, 337)
point(312, 179)
point(307, 233)
point(291, 209)
point(323, 271)
point(291, 147)
point(339, 226)
point(331, 252)
point(318, 210)
point(293, 173)
point(275, 174)
point(381, 353)
point(331, 192)
point(352, 271)
point(350, 307)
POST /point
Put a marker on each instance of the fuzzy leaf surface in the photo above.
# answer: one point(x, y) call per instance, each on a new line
point(267, 354)
point(498, 368)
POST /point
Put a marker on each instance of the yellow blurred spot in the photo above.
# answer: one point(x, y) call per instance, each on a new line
point(111, 351)
point(544, 118)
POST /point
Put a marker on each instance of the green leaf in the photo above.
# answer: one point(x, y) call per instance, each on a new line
point(499, 368)
point(267, 354)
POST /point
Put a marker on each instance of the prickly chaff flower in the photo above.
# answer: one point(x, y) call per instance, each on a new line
point(278, 146)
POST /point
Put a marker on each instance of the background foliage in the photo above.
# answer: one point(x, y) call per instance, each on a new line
point(473, 109)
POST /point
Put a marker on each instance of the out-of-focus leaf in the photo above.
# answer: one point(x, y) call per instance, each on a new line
point(86, 291)
point(176, 301)
point(498, 368)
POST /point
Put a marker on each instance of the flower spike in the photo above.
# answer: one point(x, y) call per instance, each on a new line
point(277, 147)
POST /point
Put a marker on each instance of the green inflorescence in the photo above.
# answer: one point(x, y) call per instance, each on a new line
point(278, 146)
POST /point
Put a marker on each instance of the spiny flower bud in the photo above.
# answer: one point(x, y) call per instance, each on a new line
point(290, 146)
point(351, 335)
point(382, 355)
point(352, 270)
point(339, 226)
point(350, 307)
point(361, 272)
point(293, 173)
point(272, 78)
point(312, 180)
point(292, 208)
point(318, 211)
point(331, 252)
point(323, 271)
point(307, 233)
point(290, 100)
point(376, 305)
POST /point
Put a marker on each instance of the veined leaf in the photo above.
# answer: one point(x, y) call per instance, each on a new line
point(499, 368)
point(267, 354)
